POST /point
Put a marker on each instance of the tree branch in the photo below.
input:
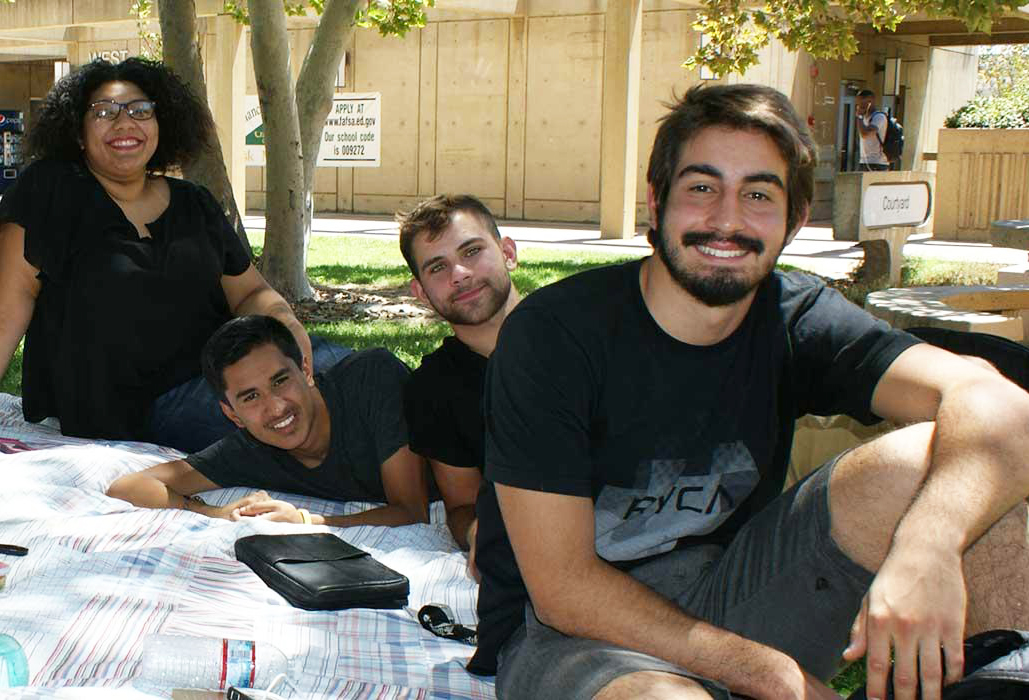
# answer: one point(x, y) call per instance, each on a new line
point(316, 83)
point(182, 55)
point(287, 207)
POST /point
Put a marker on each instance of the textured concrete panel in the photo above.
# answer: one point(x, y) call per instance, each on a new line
point(566, 61)
point(471, 147)
point(390, 66)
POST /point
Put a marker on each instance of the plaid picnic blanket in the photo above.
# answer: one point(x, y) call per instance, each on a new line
point(102, 575)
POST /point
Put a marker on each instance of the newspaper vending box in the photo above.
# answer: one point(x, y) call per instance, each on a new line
point(12, 126)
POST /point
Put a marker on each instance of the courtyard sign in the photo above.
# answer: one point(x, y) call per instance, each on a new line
point(895, 204)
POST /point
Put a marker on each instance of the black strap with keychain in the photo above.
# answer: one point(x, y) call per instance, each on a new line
point(439, 619)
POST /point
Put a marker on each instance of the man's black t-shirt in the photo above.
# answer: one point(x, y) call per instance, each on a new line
point(587, 396)
point(363, 393)
point(443, 402)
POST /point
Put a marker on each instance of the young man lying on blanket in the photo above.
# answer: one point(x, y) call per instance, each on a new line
point(339, 436)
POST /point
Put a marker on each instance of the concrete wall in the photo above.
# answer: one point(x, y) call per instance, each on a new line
point(22, 82)
point(534, 85)
point(510, 108)
point(951, 81)
point(982, 176)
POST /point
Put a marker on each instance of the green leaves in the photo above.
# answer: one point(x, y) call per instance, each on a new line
point(394, 17)
point(1003, 99)
point(151, 45)
point(390, 17)
point(239, 12)
point(736, 30)
point(1009, 111)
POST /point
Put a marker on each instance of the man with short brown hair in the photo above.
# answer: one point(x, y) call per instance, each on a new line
point(461, 266)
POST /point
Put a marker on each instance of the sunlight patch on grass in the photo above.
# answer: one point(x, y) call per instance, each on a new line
point(372, 262)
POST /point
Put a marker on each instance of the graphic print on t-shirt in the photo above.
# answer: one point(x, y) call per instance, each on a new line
point(672, 498)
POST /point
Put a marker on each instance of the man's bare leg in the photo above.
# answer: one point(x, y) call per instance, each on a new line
point(997, 575)
point(652, 685)
point(871, 489)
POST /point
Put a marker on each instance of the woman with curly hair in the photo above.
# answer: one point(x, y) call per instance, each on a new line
point(115, 273)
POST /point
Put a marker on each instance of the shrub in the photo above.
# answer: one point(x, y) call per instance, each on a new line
point(1009, 111)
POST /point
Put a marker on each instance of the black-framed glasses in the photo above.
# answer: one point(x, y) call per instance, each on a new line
point(108, 110)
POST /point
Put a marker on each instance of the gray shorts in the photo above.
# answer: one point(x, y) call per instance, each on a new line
point(782, 582)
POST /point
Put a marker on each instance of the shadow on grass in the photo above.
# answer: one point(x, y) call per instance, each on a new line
point(391, 275)
point(407, 340)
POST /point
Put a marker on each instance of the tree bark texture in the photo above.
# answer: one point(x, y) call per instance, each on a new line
point(182, 55)
point(315, 84)
point(287, 209)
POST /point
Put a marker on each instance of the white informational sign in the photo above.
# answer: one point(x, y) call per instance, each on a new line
point(351, 136)
point(896, 204)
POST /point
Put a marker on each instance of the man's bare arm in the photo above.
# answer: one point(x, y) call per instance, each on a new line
point(19, 288)
point(405, 481)
point(459, 487)
point(553, 540)
point(407, 499)
point(978, 472)
point(169, 485)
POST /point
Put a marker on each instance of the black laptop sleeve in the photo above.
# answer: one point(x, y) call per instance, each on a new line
point(319, 571)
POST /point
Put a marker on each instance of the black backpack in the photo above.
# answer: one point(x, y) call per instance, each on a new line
point(893, 143)
point(996, 668)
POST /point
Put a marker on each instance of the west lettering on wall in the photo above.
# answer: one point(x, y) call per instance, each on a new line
point(113, 55)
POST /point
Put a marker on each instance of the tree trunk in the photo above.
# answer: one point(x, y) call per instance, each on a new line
point(182, 55)
point(287, 209)
point(315, 84)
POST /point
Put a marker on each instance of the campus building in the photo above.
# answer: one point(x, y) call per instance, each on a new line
point(545, 109)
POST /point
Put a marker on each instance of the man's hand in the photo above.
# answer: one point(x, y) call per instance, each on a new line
point(226, 510)
point(916, 607)
point(266, 508)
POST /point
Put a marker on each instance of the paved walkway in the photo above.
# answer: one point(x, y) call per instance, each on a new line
point(813, 249)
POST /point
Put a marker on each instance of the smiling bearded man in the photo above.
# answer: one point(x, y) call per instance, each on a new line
point(634, 539)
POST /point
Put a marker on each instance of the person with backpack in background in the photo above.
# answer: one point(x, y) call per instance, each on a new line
point(872, 125)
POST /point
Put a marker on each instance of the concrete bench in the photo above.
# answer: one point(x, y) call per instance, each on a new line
point(1002, 311)
point(1011, 233)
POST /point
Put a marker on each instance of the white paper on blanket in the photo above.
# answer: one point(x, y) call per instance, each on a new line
point(101, 575)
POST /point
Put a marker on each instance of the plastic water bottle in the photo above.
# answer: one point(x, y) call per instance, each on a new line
point(14, 667)
point(206, 663)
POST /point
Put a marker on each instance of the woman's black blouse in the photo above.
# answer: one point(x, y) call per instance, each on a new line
point(119, 319)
